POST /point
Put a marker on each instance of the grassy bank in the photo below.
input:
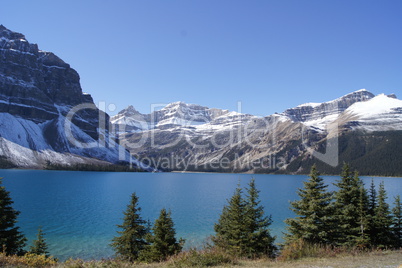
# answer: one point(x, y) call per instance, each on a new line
point(386, 258)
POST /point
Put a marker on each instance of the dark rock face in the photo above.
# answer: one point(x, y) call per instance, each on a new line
point(45, 118)
point(392, 96)
point(34, 84)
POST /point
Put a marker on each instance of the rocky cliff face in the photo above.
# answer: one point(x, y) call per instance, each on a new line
point(37, 91)
point(34, 83)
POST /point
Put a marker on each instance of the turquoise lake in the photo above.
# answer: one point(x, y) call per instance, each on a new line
point(79, 211)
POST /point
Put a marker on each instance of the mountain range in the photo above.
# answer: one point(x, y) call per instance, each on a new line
point(46, 119)
point(359, 128)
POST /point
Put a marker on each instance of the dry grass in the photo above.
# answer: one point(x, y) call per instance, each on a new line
point(383, 259)
point(28, 260)
point(375, 259)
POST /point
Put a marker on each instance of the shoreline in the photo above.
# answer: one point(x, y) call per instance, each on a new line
point(194, 172)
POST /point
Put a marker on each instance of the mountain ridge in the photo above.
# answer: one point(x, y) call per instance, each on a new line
point(46, 118)
point(252, 138)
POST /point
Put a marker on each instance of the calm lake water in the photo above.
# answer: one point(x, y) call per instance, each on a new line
point(79, 210)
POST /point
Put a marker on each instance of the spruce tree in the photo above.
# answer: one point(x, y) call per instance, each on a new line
point(131, 239)
point(12, 241)
point(372, 231)
point(397, 222)
point(346, 203)
point(231, 233)
point(39, 246)
point(162, 242)
point(363, 241)
point(314, 210)
point(242, 228)
point(372, 198)
point(382, 220)
point(260, 241)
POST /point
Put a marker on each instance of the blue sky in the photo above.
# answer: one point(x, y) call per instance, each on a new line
point(270, 55)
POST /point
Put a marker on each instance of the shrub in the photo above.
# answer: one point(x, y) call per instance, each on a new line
point(29, 260)
point(209, 257)
point(34, 260)
point(301, 249)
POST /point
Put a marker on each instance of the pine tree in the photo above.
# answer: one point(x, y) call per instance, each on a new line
point(39, 246)
point(231, 233)
point(397, 222)
point(131, 239)
point(346, 205)
point(363, 241)
point(243, 229)
point(372, 198)
point(371, 228)
point(260, 241)
point(162, 242)
point(314, 210)
point(382, 220)
point(12, 241)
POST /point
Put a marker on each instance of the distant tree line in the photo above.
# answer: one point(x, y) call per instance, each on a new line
point(376, 153)
point(119, 167)
point(5, 163)
point(351, 217)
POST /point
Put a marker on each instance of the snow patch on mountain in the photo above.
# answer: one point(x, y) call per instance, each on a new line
point(26, 144)
point(318, 115)
point(381, 104)
point(382, 113)
point(310, 104)
point(22, 141)
point(377, 113)
point(23, 132)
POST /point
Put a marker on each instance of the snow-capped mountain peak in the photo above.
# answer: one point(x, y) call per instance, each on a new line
point(318, 115)
point(357, 110)
point(178, 114)
point(380, 113)
point(129, 111)
point(380, 104)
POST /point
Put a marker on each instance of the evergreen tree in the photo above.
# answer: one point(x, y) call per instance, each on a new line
point(260, 241)
point(12, 241)
point(397, 222)
point(39, 246)
point(382, 220)
point(372, 232)
point(313, 222)
point(347, 200)
point(363, 241)
point(243, 229)
point(231, 233)
point(162, 241)
point(131, 239)
point(372, 198)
